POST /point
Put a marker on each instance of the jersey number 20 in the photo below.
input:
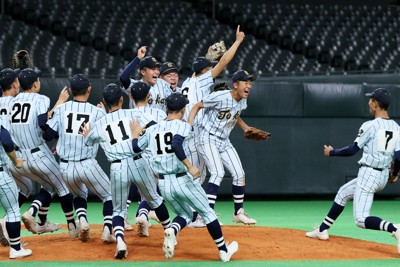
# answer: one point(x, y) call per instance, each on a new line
point(20, 113)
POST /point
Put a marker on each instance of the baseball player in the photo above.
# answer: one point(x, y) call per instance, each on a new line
point(379, 140)
point(169, 73)
point(9, 196)
point(177, 176)
point(80, 169)
point(140, 93)
point(29, 115)
point(114, 135)
point(149, 71)
point(10, 87)
point(197, 87)
point(221, 113)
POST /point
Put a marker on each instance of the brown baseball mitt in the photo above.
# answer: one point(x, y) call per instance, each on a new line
point(22, 60)
point(256, 134)
point(216, 51)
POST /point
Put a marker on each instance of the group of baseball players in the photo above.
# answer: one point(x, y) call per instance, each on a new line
point(160, 147)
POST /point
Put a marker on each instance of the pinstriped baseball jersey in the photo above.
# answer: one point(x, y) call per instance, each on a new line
point(67, 120)
point(221, 113)
point(157, 114)
point(25, 130)
point(159, 139)
point(114, 134)
point(3, 154)
point(158, 93)
point(6, 103)
point(379, 139)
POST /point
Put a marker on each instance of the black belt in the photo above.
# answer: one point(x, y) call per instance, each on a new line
point(376, 169)
point(66, 161)
point(33, 150)
point(161, 176)
point(1, 169)
point(134, 158)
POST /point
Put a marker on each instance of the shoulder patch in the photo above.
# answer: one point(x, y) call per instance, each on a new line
point(360, 132)
point(142, 132)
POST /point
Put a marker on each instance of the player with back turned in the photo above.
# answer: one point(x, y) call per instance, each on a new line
point(380, 141)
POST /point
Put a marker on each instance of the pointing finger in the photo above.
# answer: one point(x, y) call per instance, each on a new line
point(238, 29)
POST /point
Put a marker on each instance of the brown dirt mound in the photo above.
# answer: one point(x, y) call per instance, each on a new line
point(255, 243)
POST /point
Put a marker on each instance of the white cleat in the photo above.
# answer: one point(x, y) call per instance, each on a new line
point(121, 251)
point(47, 227)
point(107, 237)
point(169, 243)
point(84, 233)
point(232, 249)
point(198, 223)
point(3, 234)
point(16, 254)
point(316, 234)
point(142, 226)
point(243, 217)
point(152, 215)
point(127, 224)
point(29, 222)
point(397, 236)
point(73, 230)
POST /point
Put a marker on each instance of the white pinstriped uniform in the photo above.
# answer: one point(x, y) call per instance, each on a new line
point(158, 93)
point(40, 165)
point(379, 139)
point(180, 192)
point(199, 87)
point(115, 137)
point(221, 113)
point(81, 172)
point(8, 187)
point(24, 184)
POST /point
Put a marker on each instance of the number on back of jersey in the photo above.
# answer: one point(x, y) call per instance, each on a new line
point(118, 131)
point(387, 140)
point(75, 121)
point(161, 145)
point(20, 113)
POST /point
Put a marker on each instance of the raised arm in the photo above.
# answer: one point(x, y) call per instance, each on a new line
point(193, 112)
point(126, 73)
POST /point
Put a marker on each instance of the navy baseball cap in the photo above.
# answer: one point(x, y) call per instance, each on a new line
point(28, 76)
point(168, 67)
point(176, 101)
point(242, 75)
point(79, 82)
point(8, 76)
point(149, 62)
point(112, 93)
point(201, 63)
point(380, 94)
point(139, 90)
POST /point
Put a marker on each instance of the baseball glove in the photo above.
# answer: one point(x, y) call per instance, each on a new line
point(256, 134)
point(220, 87)
point(22, 60)
point(216, 51)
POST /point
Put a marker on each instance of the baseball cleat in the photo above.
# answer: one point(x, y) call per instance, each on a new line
point(16, 254)
point(142, 226)
point(3, 233)
point(397, 236)
point(122, 251)
point(316, 234)
point(47, 227)
point(152, 215)
point(242, 217)
point(127, 226)
point(73, 230)
point(107, 237)
point(169, 243)
point(84, 233)
point(29, 222)
point(198, 223)
point(232, 249)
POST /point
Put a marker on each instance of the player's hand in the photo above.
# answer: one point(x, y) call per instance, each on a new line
point(64, 95)
point(392, 178)
point(85, 130)
point(239, 35)
point(141, 52)
point(327, 149)
point(19, 163)
point(194, 172)
point(101, 105)
point(54, 148)
point(135, 128)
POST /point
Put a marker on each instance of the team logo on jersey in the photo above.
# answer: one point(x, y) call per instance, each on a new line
point(360, 132)
point(150, 101)
point(226, 114)
point(160, 100)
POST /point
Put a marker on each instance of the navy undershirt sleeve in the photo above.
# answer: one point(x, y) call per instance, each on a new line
point(42, 119)
point(135, 146)
point(49, 134)
point(151, 124)
point(126, 73)
point(345, 151)
point(6, 140)
point(396, 163)
point(177, 146)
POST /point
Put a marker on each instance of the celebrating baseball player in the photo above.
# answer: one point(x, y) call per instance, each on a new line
point(80, 169)
point(169, 73)
point(166, 140)
point(149, 71)
point(9, 197)
point(29, 115)
point(114, 135)
point(379, 139)
point(221, 113)
point(10, 86)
